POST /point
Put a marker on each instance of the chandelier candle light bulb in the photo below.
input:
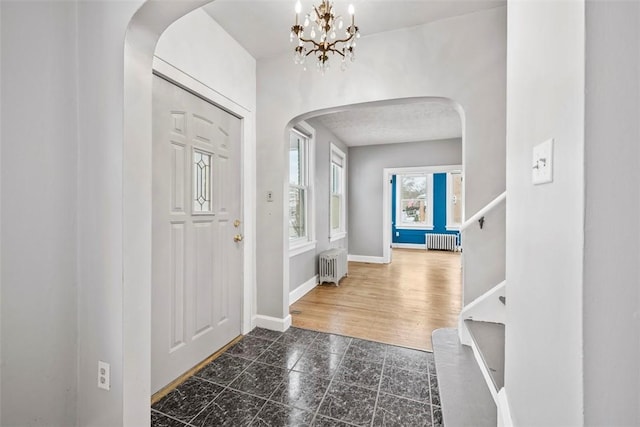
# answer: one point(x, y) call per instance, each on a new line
point(322, 19)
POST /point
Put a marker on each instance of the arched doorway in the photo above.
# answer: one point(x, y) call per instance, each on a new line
point(272, 296)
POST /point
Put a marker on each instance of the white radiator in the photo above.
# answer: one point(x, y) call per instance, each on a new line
point(332, 265)
point(442, 242)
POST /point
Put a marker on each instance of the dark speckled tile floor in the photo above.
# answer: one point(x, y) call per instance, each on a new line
point(306, 378)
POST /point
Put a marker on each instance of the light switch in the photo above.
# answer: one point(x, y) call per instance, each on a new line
point(542, 168)
point(269, 196)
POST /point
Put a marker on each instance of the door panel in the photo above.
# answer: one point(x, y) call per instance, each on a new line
point(197, 265)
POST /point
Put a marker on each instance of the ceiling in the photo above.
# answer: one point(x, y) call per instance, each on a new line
point(390, 124)
point(262, 28)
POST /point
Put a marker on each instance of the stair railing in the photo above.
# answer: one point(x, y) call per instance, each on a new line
point(479, 216)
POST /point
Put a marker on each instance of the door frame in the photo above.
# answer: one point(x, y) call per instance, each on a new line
point(247, 175)
point(386, 199)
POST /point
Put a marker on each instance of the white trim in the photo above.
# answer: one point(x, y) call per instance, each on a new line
point(303, 289)
point(342, 231)
point(504, 411)
point(272, 323)
point(485, 371)
point(428, 224)
point(365, 258)
point(409, 246)
point(450, 224)
point(425, 227)
point(302, 248)
point(486, 308)
point(248, 173)
point(304, 244)
point(338, 236)
point(386, 200)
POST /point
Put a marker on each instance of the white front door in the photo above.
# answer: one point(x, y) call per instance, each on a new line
point(197, 255)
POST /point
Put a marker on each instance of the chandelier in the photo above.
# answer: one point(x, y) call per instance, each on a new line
point(322, 33)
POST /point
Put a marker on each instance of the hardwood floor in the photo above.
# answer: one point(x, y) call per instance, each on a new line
point(399, 303)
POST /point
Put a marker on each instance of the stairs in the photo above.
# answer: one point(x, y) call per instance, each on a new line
point(488, 339)
point(470, 359)
point(465, 398)
point(471, 374)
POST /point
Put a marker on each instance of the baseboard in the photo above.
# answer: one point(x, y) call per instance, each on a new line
point(484, 370)
point(302, 290)
point(409, 246)
point(272, 323)
point(364, 258)
point(504, 413)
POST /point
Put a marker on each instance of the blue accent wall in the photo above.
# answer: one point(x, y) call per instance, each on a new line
point(416, 235)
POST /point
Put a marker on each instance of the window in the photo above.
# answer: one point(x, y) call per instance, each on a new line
point(301, 236)
point(337, 201)
point(202, 182)
point(454, 200)
point(414, 202)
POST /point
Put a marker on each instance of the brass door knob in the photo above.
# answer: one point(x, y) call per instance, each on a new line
point(238, 238)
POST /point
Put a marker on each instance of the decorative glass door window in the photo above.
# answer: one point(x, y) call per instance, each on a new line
point(202, 188)
point(414, 201)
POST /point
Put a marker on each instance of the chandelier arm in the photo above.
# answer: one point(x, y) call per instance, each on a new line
point(329, 46)
point(308, 40)
point(341, 41)
point(325, 51)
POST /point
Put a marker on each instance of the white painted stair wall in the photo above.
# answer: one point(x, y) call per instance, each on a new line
point(486, 308)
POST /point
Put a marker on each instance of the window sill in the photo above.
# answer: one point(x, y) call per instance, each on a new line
point(337, 236)
point(414, 227)
point(452, 228)
point(302, 248)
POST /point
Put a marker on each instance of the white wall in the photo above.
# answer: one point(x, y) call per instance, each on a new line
point(461, 58)
point(114, 195)
point(545, 87)
point(304, 266)
point(365, 184)
point(197, 45)
point(612, 232)
point(39, 197)
point(484, 254)
point(65, 245)
point(101, 31)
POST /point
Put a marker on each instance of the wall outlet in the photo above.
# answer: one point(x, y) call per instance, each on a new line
point(104, 375)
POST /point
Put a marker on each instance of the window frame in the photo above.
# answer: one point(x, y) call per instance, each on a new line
point(452, 226)
point(428, 224)
point(341, 232)
point(307, 242)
